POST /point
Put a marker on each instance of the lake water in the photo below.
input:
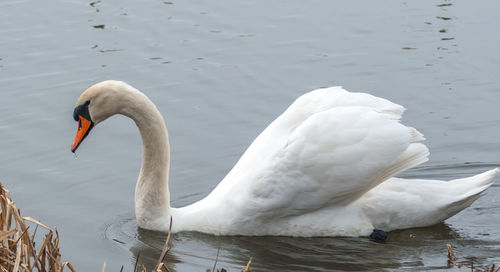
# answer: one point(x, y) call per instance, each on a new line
point(220, 71)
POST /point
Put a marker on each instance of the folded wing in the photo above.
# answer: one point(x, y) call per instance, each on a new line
point(328, 148)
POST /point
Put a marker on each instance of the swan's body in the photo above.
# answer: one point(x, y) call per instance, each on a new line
point(324, 167)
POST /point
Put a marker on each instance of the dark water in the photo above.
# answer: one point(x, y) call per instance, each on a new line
point(220, 71)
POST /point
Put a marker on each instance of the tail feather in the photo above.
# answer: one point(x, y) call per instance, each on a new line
point(485, 178)
point(469, 189)
point(407, 203)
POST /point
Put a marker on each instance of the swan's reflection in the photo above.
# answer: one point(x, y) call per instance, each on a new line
point(403, 249)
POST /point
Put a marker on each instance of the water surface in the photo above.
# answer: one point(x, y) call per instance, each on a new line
point(220, 71)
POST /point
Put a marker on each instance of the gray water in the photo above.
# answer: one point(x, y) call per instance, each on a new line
point(220, 71)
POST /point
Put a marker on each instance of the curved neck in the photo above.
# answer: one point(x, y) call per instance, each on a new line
point(152, 197)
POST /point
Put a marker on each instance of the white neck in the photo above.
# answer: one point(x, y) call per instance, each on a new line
point(152, 197)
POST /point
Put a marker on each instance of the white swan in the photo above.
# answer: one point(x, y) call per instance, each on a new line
point(324, 167)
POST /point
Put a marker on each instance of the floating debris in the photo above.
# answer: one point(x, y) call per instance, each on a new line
point(109, 50)
point(443, 30)
point(408, 48)
point(447, 39)
point(444, 18)
point(92, 4)
point(445, 5)
point(98, 26)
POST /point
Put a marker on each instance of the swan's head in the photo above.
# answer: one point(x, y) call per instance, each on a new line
point(95, 105)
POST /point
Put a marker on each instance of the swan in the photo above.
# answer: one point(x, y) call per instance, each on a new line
point(325, 167)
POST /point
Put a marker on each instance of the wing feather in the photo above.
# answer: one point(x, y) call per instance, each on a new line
point(330, 146)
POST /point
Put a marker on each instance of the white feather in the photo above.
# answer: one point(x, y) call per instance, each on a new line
point(324, 167)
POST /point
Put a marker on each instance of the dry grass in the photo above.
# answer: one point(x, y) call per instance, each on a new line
point(162, 267)
point(17, 246)
point(452, 262)
point(18, 252)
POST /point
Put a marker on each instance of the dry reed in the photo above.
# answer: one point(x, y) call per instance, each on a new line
point(162, 267)
point(452, 262)
point(18, 252)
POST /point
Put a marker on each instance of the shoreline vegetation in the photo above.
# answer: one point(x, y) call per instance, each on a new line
point(19, 251)
point(452, 262)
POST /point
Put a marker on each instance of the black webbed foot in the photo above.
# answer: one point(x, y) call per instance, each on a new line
point(378, 236)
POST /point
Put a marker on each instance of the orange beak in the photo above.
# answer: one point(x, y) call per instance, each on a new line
point(84, 127)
